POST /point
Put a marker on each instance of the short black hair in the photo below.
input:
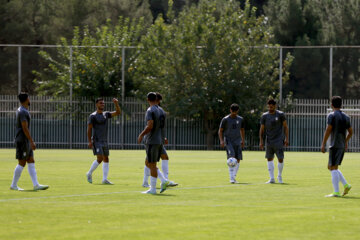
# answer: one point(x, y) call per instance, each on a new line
point(158, 96)
point(151, 96)
point(23, 96)
point(234, 107)
point(99, 99)
point(271, 101)
point(336, 101)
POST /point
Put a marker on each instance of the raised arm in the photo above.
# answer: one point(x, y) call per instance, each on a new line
point(118, 110)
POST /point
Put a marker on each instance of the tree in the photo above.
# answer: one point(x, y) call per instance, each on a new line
point(204, 61)
point(96, 70)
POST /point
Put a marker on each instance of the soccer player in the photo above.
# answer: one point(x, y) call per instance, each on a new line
point(97, 137)
point(273, 123)
point(164, 157)
point(232, 136)
point(337, 125)
point(153, 142)
point(25, 145)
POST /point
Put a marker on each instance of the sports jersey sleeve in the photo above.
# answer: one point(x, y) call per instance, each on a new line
point(22, 116)
point(262, 120)
point(108, 115)
point(149, 115)
point(223, 123)
point(282, 117)
point(330, 119)
point(91, 120)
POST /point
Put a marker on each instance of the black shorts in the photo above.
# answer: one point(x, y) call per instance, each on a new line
point(271, 150)
point(233, 151)
point(153, 152)
point(336, 156)
point(23, 150)
point(101, 148)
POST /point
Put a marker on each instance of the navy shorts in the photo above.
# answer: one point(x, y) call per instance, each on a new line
point(336, 156)
point(234, 151)
point(153, 152)
point(23, 150)
point(101, 148)
point(271, 150)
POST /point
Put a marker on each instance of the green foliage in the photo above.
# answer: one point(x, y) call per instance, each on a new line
point(96, 70)
point(204, 61)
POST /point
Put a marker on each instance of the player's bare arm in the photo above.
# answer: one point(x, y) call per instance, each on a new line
point(89, 132)
point(242, 133)
point(24, 125)
point(326, 136)
point(118, 110)
point(286, 130)
point(148, 128)
point(261, 134)
point(349, 135)
point(221, 137)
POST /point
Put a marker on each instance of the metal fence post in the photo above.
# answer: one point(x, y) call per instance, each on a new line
point(19, 69)
point(330, 72)
point(122, 95)
point(71, 96)
point(280, 76)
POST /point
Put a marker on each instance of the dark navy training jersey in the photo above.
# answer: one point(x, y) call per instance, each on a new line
point(232, 128)
point(340, 122)
point(99, 122)
point(154, 136)
point(22, 114)
point(274, 128)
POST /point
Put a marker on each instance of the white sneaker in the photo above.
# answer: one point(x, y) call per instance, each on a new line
point(107, 182)
point(41, 187)
point(233, 181)
point(280, 179)
point(16, 188)
point(149, 192)
point(146, 185)
point(271, 181)
point(172, 184)
point(89, 177)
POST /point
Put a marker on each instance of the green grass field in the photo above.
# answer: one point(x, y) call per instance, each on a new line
point(204, 205)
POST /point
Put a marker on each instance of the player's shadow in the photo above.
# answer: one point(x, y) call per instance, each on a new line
point(32, 190)
point(350, 197)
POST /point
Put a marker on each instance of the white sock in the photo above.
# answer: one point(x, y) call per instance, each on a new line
point(153, 183)
point(161, 176)
point(231, 173)
point(280, 167)
point(32, 172)
point(94, 165)
point(271, 169)
point(105, 170)
point(236, 168)
point(17, 174)
point(146, 175)
point(165, 168)
point(335, 180)
point(341, 176)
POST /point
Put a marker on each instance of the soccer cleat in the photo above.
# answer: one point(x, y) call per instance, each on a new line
point(270, 181)
point(280, 179)
point(146, 185)
point(89, 177)
point(41, 187)
point(153, 192)
point(164, 185)
point(334, 194)
point(16, 188)
point(172, 184)
point(107, 182)
point(347, 188)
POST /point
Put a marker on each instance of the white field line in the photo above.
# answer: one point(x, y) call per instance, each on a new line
point(111, 193)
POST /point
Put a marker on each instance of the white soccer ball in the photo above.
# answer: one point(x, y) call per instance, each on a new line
point(231, 162)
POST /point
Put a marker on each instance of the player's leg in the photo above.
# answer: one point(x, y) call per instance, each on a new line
point(238, 156)
point(333, 167)
point(165, 166)
point(280, 156)
point(33, 175)
point(146, 175)
point(106, 164)
point(270, 163)
point(95, 163)
point(17, 173)
point(151, 163)
point(230, 152)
